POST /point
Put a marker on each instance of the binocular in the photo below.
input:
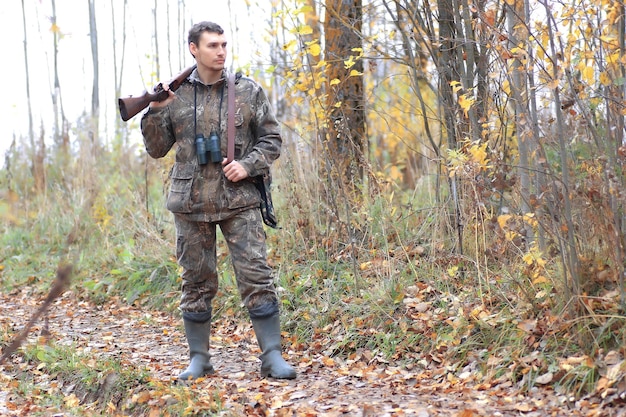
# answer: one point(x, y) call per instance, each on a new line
point(208, 149)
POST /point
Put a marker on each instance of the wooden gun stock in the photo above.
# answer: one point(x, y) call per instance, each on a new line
point(130, 106)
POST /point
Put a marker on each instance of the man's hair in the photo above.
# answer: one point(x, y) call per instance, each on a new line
point(197, 29)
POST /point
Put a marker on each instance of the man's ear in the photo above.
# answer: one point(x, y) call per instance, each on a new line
point(193, 49)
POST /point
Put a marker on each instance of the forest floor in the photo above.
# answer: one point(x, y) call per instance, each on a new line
point(359, 386)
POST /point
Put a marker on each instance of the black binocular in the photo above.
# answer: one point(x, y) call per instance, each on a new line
point(208, 149)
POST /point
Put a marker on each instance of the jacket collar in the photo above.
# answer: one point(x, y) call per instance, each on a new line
point(194, 78)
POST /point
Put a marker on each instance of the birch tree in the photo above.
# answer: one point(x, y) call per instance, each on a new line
point(95, 86)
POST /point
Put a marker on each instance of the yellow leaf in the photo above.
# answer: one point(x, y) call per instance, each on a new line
point(396, 173)
point(605, 80)
point(355, 73)
point(608, 39)
point(72, 400)
point(588, 73)
point(456, 86)
point(315, 49)
point(330, 362)
point(466, 103)
point(529, 218)
point(502, 219)
point(289, 45)
point(506, 87)
point(320, 64)
point(540, 261)
point(479, 154)
point(304, 30)
point(613, 58)
point(334, 81)
point(349, 63)
point(540, 54)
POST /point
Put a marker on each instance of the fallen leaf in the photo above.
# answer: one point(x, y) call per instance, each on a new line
point(545, 378)
point(527, 325)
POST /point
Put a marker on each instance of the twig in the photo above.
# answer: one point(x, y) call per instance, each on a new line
point(61, 282)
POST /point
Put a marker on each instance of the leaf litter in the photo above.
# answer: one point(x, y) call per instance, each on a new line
point(361, 384)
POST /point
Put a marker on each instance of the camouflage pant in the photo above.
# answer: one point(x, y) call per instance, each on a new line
point(197, 255)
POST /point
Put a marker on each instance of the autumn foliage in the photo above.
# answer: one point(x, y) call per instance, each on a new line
point(451, 202)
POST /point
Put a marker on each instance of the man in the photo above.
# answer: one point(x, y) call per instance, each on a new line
point(207, 191)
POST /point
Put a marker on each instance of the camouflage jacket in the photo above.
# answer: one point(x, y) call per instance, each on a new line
point(202, 192)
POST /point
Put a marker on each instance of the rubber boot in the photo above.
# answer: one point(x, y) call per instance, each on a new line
point(267, 330)
point(198, 333)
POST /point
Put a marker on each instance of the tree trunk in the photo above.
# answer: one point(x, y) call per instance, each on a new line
point(31, 130)
point(95, 86)
point(518, 35)
point(118, 69)
point(37, 148)
point(345, 139)
point(448, 68)
point(61, 138)
point(569, 251)
point(156, 42)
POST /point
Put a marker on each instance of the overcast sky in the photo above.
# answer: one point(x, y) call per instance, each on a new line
point(75, 56)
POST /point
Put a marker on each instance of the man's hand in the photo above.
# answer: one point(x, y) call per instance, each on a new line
point(156, 105)
point(234, 171)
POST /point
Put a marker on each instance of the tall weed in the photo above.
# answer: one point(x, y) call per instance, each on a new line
point(398, 288)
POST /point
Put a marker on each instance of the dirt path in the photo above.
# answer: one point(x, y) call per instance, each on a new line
point(361, 386)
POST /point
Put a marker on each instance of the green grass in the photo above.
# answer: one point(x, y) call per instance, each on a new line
point(62, 378)
point(377, 293)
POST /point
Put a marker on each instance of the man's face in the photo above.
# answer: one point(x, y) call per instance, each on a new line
point(210, 51)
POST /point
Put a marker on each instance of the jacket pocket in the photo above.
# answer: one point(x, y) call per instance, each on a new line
point(241, 194)
point(179, 198)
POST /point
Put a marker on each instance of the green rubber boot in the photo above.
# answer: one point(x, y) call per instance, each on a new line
point(267, 332)
point(198, 334)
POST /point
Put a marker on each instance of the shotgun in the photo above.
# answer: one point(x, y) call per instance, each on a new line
point(130, 106)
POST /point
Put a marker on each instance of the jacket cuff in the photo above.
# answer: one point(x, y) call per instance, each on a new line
point(249, 168)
